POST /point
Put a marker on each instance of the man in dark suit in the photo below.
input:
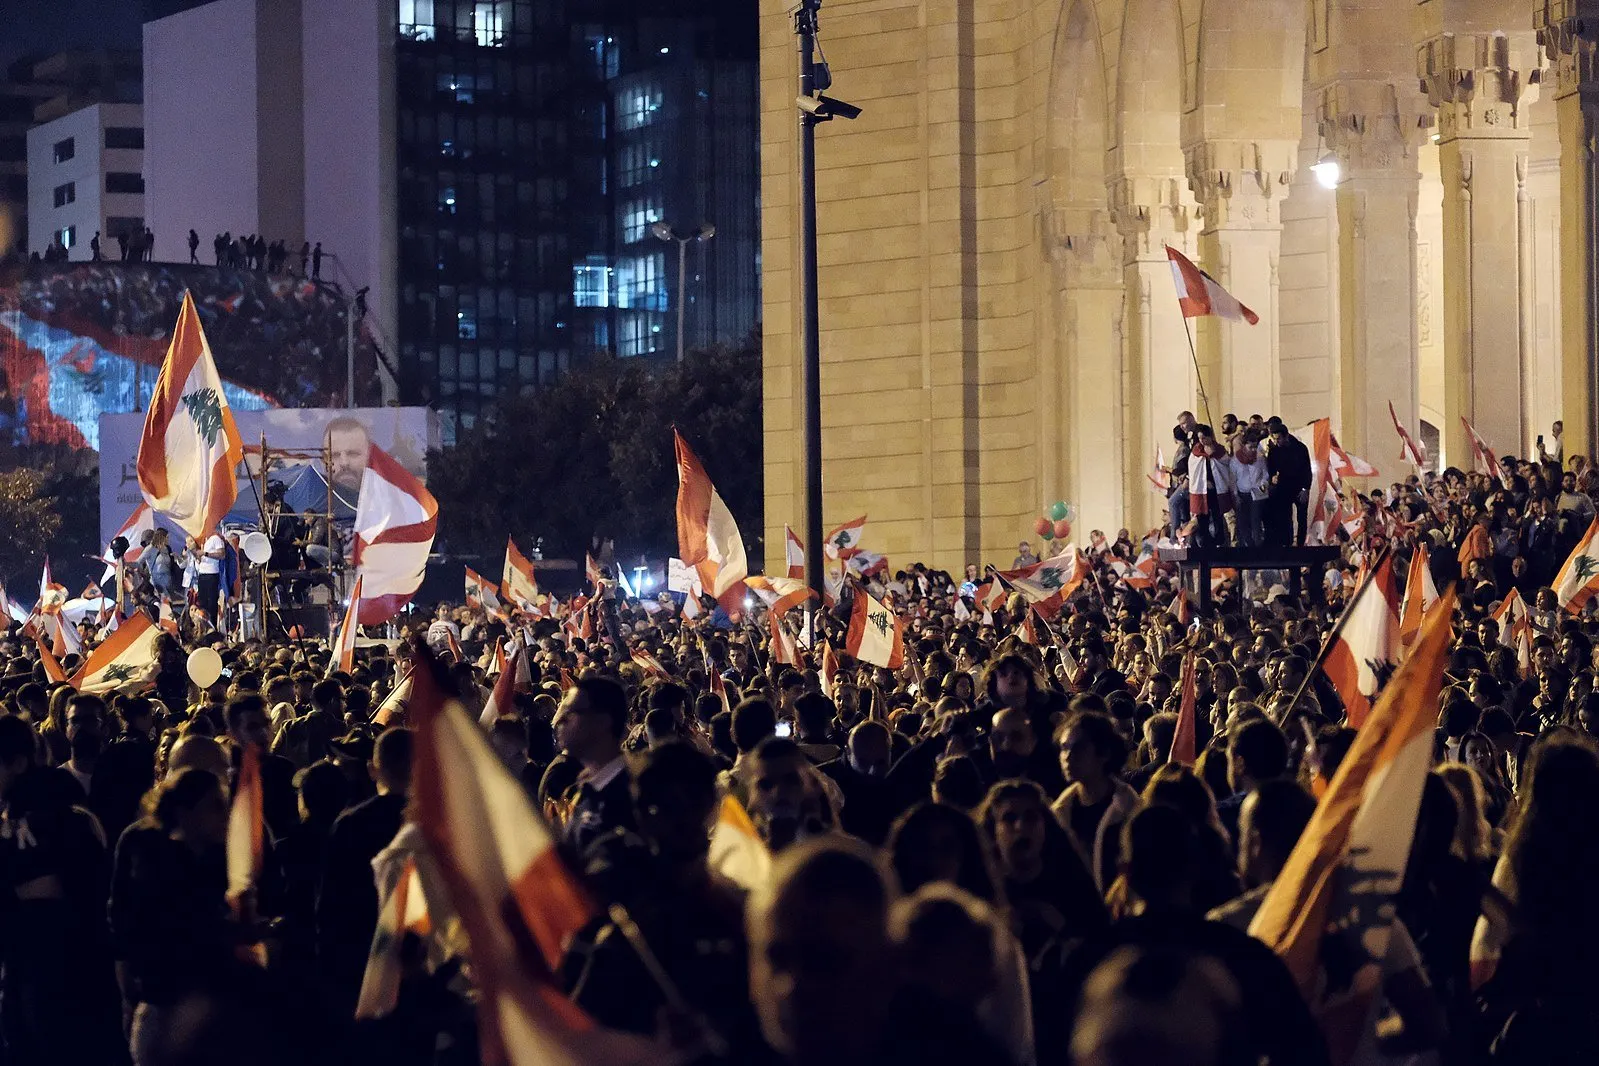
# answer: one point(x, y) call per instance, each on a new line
point(1100, 677)
point(589, 726)
point(1288, 464)
point(347, 896)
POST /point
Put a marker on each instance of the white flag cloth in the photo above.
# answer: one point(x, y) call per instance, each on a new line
point(707, 537)
point(875, 635)
point(343, 657)
point(518, 584)
point(190, 447)
point(140, 522)
point(1365, 653)
point(395, 520)
point(845, 541)
point(793, 553)
point(1199, 294)
point(1579, 577)
point(737, 851)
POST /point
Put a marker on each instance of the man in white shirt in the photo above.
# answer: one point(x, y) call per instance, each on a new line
point(208, 574)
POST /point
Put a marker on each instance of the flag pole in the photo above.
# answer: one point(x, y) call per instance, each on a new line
point(1193, 354)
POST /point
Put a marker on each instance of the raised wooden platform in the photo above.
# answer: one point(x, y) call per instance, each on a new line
point(1293, 560)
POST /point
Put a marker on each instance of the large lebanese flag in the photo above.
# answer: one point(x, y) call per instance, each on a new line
point(517, 583)
point(343, 657)
point(875, 635)
point(395, 520)
point(1579, 577)
point(1049, 583)
point(1364, 653)
point(793, 553)
point(1199, 294)
point(518, 902)
point(1421, 592)
point(190, 447)
point(1342, 875)
point(122, 657)
point(707, 536)
point(140, 522)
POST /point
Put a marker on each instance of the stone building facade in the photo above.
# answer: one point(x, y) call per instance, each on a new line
point(999, 328)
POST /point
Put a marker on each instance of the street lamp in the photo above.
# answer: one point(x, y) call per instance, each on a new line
point(667, 233)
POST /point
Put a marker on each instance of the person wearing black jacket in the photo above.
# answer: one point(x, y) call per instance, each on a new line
point(1288, 464)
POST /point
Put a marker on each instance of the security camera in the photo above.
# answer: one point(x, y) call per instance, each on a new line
point(823, 107)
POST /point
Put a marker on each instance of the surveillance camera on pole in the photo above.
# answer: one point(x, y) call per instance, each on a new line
point(822, 107)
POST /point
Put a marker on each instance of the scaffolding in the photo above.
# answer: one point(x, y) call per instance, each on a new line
point(271, 458)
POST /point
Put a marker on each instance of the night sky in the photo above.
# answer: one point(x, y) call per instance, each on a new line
point(55, 25)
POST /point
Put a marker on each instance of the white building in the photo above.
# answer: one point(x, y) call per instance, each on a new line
point(86, 175)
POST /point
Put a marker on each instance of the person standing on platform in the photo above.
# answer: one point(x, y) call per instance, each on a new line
point(1288, 463)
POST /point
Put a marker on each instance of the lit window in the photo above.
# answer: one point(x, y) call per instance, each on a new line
point(68, 236)
point(66, 194)
point(591, 282)
point(416, 19)
point(637, 215)
point(636, 106)
point(640, 282)
point(488, 25)
point(638, 334)
point(447, 200)
point(634, 164)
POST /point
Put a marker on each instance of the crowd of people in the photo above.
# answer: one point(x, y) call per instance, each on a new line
point(994, 853)
point(255, 252)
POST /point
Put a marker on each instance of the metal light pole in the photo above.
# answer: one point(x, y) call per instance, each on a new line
point(349, 352)
point(814, 80)
point(667, 233)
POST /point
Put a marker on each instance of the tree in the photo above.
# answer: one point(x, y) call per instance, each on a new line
point(28, 522)
point(591, 455)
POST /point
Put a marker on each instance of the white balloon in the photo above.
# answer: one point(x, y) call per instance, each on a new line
point(205, 666)
point(257, 547)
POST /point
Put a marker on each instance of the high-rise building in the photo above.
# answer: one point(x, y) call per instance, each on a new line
point(510, 177)
point(86, 177)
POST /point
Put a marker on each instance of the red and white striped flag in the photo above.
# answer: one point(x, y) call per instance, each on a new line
point(190, 447)
point(1340, 878)
point(140, 522)
point(779, 594)
point(1421, 592)
point(1184, 738)
point(405, 910)
point(52, 665)
point(480, 593)
point(343, 657)
point(1159, 477)
point(793, 554)
point(829, 671)
point(395, 520)
point(121, 660)
point(783, 650)
point(1409, 450)
point(518, 585)
point(1364, 654)
point(1049, 583)
point(737, 851)
point(1578, 579)
point(650, 665)
point(707, 537)
point(244, 829)
point(68, 641)
point(502, 697)
point(876, 634)
point(1199, 294)
point(1346, 465)
point(52, 595)
point(1482, 455)
point(1515, 628)
point(845, 541)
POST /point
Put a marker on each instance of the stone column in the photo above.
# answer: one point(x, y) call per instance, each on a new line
point(1569, 33)
point(1087, 255)
point(1152, 213)
point(1240, 186)
point(1481, 84)
point(1372, 129)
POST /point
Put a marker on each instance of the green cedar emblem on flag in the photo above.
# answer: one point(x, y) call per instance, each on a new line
point(879, 621)
point(1049, 577)
point(1587, 566)
point(205, 408)
point(118, 673)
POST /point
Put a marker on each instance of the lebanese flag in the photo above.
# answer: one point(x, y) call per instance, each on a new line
point(989, 595)
point(517, 584)
point(1049, 583)
point(244, 829)
point(875, 634)
point(717, 684)
point(52, 665)
point(707, 536)
point(1180, 608)
point(1184, 738)
point(395, 702)
point(190, 446)
point(865, 564)
point(395, 520)
point(405, 910)
point(793, 554)
point(52, 596)
point(9, 608)
point(140, 522)
point(783, 650)
point(1410, 451)
point(829, 670)
point(1321, 521)
point(1481, 454)
point(1420, 594)
point(1140, 573)
point(1363, 654)
point(593, 571)
point(1341, 877)
point(779, 594)
point(737, 851)
point(343, 657)
point(1346, 465)
point(480, 593)
point(1160, 477)
point(1515, 628)
point(845, 541)
point(650, 665)
point(118, 662)
point(502, 696)
point(518, 902)
point(1579, 577)
point(68, 641)
point(1199, 294)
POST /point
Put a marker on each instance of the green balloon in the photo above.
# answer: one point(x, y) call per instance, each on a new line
point(1057, 510)
point(1048, 534)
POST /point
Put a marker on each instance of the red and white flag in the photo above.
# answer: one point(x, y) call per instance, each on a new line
point(650, 665)
point(140, 522)
point(1575, 584)
point(845, 541)
point(1184, 738)
point(396, 518)
point(52, 665)
point(784, 651)
point(1049, 583)
point(68, 641)
point(122, 659)
point(793, 554)
point(518, 902)
point(1409, 450)
point(1515, 628)
point(190, 447)
point(875, 634)
point(1346, 465)
point(1340, 879)
point(1363, 655)
point(518, 585)
point(405, 911)
point(1199, 294)
point(1159, 476)
point(779, 594)
point(1322, 519)
point(1482, 455)
point(737, 851)
point(244, 829)
point(1421, 592)
point(502, 696)
point(1138, 574)
point(707, 537)
point(481, 593)
point(829, 670)
point(343, 657)
point(52, 595)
